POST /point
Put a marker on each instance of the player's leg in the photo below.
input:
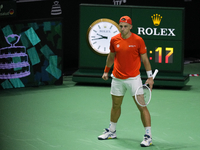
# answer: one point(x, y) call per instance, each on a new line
point(146, 120)
point(132, 86)
point(145, 115)
point(116, 108)
point(110, 133)
point(117, 92)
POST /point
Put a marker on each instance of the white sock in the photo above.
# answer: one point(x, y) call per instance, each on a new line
point(112, 126)
point(148, 131)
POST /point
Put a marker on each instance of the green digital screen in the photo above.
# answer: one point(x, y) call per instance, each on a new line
point(162, 31)
point(165, 55)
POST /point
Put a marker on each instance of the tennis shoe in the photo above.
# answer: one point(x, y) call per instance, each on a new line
point(107, 134)
point(147, 141)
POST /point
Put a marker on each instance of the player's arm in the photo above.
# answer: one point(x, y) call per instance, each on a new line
point(109, 63)
point(147, 66)
point(110, 59)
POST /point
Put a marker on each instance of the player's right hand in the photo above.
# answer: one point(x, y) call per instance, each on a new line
point(105, 76)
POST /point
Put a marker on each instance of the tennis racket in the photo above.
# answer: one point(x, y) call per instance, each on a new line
point(143, 93)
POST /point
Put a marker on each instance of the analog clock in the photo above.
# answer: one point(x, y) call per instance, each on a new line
point(99, 34)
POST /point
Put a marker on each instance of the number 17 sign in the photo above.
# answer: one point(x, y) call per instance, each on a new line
point(165, 55)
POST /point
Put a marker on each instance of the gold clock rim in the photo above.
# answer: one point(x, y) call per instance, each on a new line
point(94, 23)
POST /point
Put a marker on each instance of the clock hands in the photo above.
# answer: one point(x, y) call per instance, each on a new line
point(105, 37)
point(102, 37)
point(99, 38)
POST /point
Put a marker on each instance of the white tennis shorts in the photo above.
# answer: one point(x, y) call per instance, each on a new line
point(120, 86)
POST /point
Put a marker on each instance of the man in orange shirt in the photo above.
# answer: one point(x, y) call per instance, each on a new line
point(126, 52)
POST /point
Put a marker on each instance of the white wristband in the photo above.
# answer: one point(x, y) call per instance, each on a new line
point(149, 74)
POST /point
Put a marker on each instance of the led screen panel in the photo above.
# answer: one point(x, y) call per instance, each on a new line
point(31, 53)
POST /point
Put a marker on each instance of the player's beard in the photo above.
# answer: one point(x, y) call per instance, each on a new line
point(124, 33)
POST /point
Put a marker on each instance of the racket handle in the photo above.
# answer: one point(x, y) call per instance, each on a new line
point(155, 73)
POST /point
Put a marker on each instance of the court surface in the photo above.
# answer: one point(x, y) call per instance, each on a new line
point(71, 116)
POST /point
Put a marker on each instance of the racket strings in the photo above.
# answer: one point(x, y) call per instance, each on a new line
point(146, 94)
point(143, 95)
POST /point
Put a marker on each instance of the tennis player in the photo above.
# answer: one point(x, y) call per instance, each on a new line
point(127, 50)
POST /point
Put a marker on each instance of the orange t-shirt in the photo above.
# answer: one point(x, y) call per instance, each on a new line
point(127, 60)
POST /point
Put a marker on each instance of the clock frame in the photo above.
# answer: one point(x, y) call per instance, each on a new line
point(91, 41)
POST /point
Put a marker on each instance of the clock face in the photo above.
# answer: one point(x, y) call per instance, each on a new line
point(100, 33)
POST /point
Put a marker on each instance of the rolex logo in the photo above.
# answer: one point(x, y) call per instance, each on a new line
point(156, 18)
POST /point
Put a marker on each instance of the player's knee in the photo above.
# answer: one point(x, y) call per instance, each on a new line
point(116, 106)
point(142, 109)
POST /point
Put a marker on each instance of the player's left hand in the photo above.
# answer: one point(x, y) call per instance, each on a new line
point(150, 82)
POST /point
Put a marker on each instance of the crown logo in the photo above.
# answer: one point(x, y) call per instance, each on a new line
point(156, 18)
